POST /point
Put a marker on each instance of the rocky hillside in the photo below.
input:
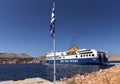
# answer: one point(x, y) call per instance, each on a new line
point(106, 76)
point(13, 55)
point(114, 57)
point(11, 58)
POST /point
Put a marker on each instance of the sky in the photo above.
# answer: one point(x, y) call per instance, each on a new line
point(90, 24)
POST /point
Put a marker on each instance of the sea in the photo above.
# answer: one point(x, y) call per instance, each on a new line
point(23, 71)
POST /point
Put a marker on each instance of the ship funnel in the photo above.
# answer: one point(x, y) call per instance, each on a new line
point(73, 49)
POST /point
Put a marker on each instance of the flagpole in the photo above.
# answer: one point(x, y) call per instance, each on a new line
point(54, 54)
point(54, 47)
point(54, 60)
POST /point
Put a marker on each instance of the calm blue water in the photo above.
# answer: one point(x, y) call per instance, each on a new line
point(22, 71)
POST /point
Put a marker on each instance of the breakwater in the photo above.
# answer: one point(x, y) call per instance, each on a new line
point(103, 76)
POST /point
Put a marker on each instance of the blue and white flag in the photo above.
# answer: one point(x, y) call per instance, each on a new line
point(52, 22)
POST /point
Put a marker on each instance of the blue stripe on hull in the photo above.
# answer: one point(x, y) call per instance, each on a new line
point(76, 61)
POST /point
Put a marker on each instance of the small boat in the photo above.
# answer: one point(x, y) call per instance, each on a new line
point(78, 56)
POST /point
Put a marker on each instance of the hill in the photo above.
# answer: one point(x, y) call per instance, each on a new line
point(12, 58)
point(13, 55)
point(114, 57)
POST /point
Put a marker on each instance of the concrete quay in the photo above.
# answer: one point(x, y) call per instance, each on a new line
point(30, 81)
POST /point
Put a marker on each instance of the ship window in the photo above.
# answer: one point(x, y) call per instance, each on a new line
point(99, 55)
point(104, 55)
point(87, 55)
point(93, 55)
point(76, 56)
point(81, 55)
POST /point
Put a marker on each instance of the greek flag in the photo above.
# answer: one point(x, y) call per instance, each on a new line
point(52, 22)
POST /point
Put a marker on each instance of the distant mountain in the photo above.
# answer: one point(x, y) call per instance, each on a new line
point(13, 55)
point(114, 57)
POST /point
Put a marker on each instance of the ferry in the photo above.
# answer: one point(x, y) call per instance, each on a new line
point(78, 56)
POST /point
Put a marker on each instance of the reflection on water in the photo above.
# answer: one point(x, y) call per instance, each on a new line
point(22, 71)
